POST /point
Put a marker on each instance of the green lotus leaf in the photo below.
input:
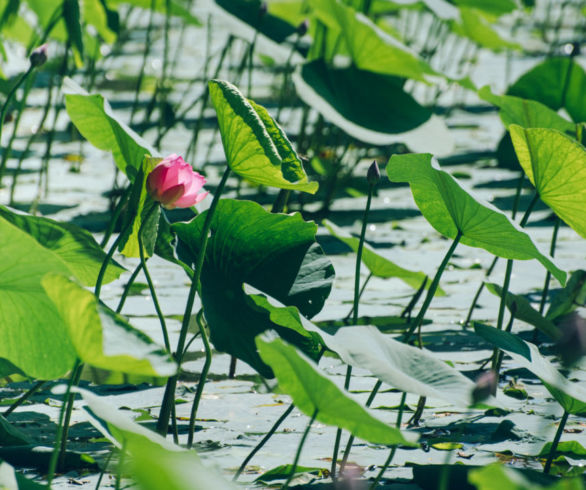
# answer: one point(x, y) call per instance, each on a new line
point(449, 209)
point(556, 166)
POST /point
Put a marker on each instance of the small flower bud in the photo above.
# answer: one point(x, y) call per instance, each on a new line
point(373, 174)
point(303, 27)
point(39, 56)
point(485, 386)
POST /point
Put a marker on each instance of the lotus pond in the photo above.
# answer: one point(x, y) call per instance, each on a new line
point(295, 243)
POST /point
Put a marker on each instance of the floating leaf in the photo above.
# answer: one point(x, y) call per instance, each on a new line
point(522, 309)
point(371, 107)
point(557, 82)
point(73, 245)
point(449, 208)
point(33, 337)
point(102, 338)
point(256, 147)
point(571, 396)
point(525, 112)
point(275, 253)
point(155, 463)
point(95, 120)
point(378, 265)
point(312, 390)
point(11, 436)
point(556, 166)
point(283, 472)
point(570, 448)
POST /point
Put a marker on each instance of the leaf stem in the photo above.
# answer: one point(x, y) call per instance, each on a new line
point(556, 440)
point(168, 398)
point(127, 287)
point(299, 449)
point(554, 238)
point(36, 387)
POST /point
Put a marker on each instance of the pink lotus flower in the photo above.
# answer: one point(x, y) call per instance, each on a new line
point(175, 184)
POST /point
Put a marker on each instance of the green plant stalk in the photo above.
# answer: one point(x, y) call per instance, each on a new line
point(152, 287)
point(202, 379)
point(496, 258)
point(104, 469)
point(263, 441)
point(554, 238)
point(286, 76)
point(362, 289)
point(281, 201)
point(114, 219)
point(369, 401)
point(501, 355)
point(109, 255)
point(556, 440)
point(127, 287)
point(299, 449)
point(145, 54)
point(120, 465)
point(6, 151)
point(36, 387)
point(432, 289)
point(414, 299)
point(61, 428)
point(168, 398)
point(354, 316)
point(394, 448)
point(506, 282)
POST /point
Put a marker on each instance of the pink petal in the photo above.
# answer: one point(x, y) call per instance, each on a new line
point(170, 197)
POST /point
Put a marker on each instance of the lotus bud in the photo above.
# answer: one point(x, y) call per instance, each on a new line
point(303, 27)
point(174, 184)
point(39, 56)
point(373, 174)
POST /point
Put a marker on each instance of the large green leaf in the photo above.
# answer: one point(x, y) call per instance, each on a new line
point(33, 337)
point(269, 25)
point(378, 265)
point(556, 166)
point(371, 107)
point(95, 120)
point(101, 337)
point(371, 48)
point(73, 245)
point(256, 147)
point(155, 462)
point(556, 82)
point(275, 253)
point(571, 396)
point(572, 296)
point(401, 366)
point(525, 112)
point(522, 309)
point(312, 391)
point(449, 209)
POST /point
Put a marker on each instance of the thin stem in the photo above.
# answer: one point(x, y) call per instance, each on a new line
point(394, 448)
point(202, 380)
point(104, 469)
point(120, 465)
point(554, 237)
point(281, 201)
point(556, 440)
point(60, 426)
point(263, 441)
point(414, 299)
point(75, 377)
point(13, 90)
point(105, 264)
point(432, 289)
point(369, 401)
point(168, 398)
point(129, 284)
point(299, 449)
point(114, 219)
point(36, 387)
point(362, 289)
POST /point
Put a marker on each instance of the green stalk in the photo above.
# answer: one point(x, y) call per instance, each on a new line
point(556, 440)
point(299, 449)
point(287, 69)
point(114, 219)
point(354, 316)
point(414, 299)
point(152, 286)
point(202, 379)
point(369, 401)
point(109, 255)
point(432, 289)
point(36, 387)
point(264, 440)
point(554, 238)
point(62, 429)
point(129, 284)
point(168, 398)
point(394, 448)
